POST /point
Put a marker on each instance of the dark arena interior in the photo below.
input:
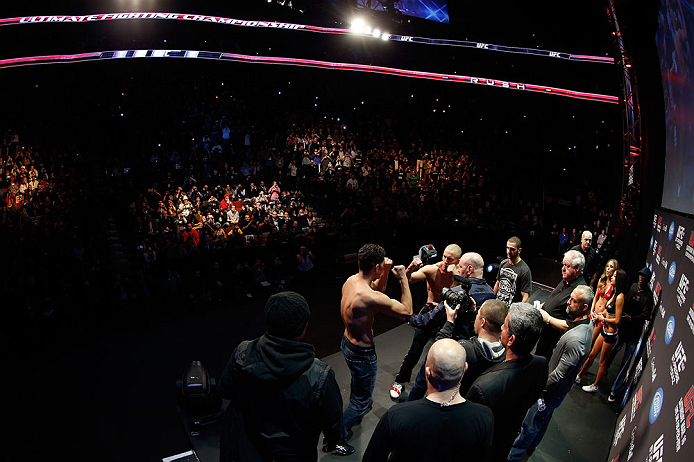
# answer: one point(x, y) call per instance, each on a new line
point(122, 266)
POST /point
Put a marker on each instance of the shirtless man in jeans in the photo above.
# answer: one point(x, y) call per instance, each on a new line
point(362, 298)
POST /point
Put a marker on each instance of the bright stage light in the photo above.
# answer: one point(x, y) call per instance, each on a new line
point(376, 33)
point(366, 30)
point(357, 25)
point(385, 36)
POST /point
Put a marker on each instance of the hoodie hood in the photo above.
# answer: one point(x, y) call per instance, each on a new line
point(492, 351)
point(274, 359)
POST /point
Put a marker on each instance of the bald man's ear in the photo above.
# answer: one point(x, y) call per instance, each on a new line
point(427, 372)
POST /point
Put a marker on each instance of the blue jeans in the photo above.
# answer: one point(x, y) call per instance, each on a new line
point(363, 365)
point(629, 348)
point(534, 427)
point(419, 388)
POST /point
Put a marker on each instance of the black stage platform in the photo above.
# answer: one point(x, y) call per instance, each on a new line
point(110, 395)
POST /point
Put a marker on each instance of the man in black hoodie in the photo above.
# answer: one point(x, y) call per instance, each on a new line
point(282, 397)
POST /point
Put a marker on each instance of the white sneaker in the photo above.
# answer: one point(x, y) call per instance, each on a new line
point(590, 388)
point(578, 380)
point(395, 390)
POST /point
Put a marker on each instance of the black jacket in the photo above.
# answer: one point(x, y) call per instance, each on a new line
point(283, 397)
point(638, 304)
point(509, 389)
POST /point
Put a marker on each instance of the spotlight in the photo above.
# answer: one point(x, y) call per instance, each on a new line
point(376, 33)
point(357, 25)
point(490, 272)
point(366, 30)
point(385, 36)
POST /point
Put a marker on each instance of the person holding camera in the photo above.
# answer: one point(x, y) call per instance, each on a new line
point(438, 276)
point(483, 351)
point(444, 426)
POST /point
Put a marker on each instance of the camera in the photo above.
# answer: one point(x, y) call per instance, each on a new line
point(459, 295)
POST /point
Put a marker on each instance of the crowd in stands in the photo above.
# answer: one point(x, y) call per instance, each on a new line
point(224, 207)
point(51, 241)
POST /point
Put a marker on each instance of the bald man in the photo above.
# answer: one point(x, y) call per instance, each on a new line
point(444, 426)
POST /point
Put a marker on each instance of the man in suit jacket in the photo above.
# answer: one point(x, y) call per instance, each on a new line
point(511, 387)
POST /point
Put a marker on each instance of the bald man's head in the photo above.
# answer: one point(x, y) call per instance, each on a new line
point(445, 364)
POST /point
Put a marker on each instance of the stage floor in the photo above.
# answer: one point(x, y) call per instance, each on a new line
point(106, 390)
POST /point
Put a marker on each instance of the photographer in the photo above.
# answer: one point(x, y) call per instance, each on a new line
point(483, 350)
point(438, 277)
point(471, 267)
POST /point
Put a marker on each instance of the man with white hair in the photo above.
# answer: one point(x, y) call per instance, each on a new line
point(589, 254)
point(567, 359)
point(571, 272)
point(442, 427)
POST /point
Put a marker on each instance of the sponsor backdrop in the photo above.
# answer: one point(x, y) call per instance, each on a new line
point(658, 406)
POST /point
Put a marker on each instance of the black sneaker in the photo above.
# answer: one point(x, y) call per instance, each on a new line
point(612, 398)
point(343, 449)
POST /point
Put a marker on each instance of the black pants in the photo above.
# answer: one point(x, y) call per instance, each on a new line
point(419, 341)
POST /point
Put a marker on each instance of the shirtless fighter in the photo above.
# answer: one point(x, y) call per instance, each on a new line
point(438, 276)
point(362, 298)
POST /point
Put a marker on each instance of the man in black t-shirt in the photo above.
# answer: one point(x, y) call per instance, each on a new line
point(589, 254)
point(442, 427)
point(514, 281)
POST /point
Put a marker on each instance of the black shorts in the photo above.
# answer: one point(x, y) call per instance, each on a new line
point(609, 337)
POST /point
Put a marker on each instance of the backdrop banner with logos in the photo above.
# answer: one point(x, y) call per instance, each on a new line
point(658, 405)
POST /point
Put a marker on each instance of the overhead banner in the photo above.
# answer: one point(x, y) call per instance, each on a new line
point(658, 406)
point(71, 19)
point(216, 55)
